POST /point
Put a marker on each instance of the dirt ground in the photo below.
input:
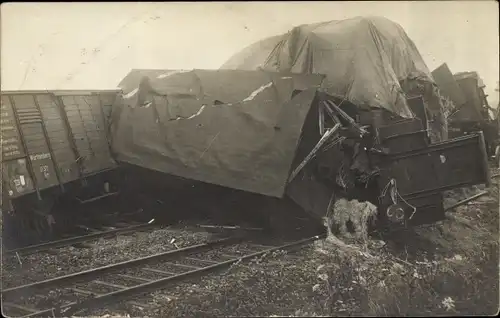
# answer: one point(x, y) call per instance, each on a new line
point(449, 268)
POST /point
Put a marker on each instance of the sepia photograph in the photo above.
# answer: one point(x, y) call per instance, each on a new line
point(250, 159)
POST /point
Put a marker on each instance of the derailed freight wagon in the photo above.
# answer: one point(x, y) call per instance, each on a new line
point(469, 111)
point(376, 75)
point(276, 143)
point(54, 149)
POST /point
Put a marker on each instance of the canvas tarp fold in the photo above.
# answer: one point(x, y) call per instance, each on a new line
point(238, 129)
point(364, 59)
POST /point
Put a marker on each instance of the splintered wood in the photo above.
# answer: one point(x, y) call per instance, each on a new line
point(311, 155)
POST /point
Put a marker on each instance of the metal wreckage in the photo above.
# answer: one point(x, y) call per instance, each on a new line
point(328, 111)
point(467, 106)
point(302, 124)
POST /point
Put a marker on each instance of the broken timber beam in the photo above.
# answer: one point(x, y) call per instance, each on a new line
point(313, 152)
point(331, 113)
point(351, 121)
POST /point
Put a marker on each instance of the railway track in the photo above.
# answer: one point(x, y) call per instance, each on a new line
point(99, 286)
point(93, 236)
point(86, 229)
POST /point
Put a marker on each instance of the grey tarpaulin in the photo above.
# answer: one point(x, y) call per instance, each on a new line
point(364, 59)
point(238, 129)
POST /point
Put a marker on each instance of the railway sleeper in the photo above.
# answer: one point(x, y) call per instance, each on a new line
point(117, 290)
point(90, 293)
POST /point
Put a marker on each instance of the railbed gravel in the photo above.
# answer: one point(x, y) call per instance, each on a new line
point(68, 260)
point(169, 301)
point(362, 285)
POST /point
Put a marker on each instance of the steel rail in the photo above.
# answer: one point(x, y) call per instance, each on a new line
point(144, 285)
point(75, 277)
point(70, 309)
point(31, 249)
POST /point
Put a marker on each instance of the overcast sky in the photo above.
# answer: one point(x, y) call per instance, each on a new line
point(94, 45)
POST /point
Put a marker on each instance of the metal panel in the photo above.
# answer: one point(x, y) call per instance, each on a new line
point(107, 101)
point(403, 136)
point(444, 166)
point(448, 85)
point(429, 209)
point(38, 149)
point(58, 136)
point(11, 140)
point(31, 125)
point(88, 128)
point(471, 110)
point(17, 175)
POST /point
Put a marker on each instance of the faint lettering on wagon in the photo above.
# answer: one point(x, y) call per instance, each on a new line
point(40, 156)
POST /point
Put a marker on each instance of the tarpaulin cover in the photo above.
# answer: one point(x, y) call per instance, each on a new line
point(363, 58)
point(238, 129)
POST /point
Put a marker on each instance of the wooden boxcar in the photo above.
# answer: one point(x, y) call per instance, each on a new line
point(54, 144)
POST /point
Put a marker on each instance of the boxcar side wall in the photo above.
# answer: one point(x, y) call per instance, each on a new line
point(50, 139)
point(88, 126)
point(17, 177)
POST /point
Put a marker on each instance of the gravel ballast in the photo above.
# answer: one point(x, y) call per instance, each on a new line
point(67, 260)
point(449, 268)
